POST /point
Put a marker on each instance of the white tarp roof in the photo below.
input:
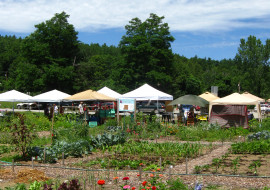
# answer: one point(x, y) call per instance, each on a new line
point(109, 92)
point(51, 96)
point(147, 92)
point(14, 96)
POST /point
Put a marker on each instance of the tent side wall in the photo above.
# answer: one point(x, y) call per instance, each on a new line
point(229, 115)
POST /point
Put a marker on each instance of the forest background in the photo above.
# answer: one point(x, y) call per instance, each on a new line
point(52, 58)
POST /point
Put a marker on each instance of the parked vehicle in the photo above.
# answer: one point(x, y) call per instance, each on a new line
point(30, 106)
point(152, 106)
point(264, 108)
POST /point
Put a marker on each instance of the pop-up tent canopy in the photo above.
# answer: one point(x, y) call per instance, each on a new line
point(14, 96)
point(147, 92)
point(190, 100)
point(89, 95)
point(231, 110)
point(109, 92)
point(208, 96)
point(247, 94)
point(51, 96)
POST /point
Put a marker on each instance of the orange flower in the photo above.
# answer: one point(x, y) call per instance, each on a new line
point(115, 178)
point(141, 164)
point(152, 175)
point(148, 187)
point(158, 169)
point(160, 175)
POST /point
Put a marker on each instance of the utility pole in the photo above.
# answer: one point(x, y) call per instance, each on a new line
point(239, 87)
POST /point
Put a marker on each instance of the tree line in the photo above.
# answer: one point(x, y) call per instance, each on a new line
point(52, 57)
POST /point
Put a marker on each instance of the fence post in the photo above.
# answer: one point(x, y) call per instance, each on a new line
point(170, 171)
point(63, 159)
point(160, 162)
point(140, 173)
point(186, 165)
point(44, 154)
point(32, 162)
point(13, 165)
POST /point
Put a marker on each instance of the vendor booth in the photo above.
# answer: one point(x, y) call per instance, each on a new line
point(91, 95)
point(231, 111)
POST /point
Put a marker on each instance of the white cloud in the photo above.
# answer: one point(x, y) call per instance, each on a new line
point(181, 15)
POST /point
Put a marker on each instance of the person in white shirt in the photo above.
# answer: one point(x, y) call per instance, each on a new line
point(55, 109)
point(81, 108)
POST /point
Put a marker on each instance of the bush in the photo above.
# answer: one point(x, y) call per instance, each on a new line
point(259, 136)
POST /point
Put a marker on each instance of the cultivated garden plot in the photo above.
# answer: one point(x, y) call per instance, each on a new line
point(237, 164)
point(141, 151)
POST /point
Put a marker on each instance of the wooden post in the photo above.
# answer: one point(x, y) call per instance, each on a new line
point(135, 119)
point(118, 111)
point(52, 126)
point(13, 165)
point(170, 171)
point(44, 154)
point(160, 162)
point(63, 159)
point(140, 173)
point(32, 162)
point(186, 165)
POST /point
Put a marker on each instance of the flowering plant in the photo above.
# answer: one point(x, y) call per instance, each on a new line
point(101, 182)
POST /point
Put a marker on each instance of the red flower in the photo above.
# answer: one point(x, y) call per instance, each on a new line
point(52, 135)
point(144, 183)
point(133, 188)
point(101, 182)
point(154, 188)
point(126, 178)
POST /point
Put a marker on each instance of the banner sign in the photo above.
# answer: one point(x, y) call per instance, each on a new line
point(126, 104)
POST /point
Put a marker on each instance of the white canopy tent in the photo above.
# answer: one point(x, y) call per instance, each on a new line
point(109, 92)
point(51, 96)
point(147, 92)
point(14, 96)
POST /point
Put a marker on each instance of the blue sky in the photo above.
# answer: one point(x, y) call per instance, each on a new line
point(203, 28)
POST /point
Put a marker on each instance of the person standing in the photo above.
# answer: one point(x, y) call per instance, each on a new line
point(81, 108)
point(55, 109)
point(46, 110)
point(61, 110)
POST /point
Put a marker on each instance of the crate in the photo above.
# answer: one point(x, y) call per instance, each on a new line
point(92, 123)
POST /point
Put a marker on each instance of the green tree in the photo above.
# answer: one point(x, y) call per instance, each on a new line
point(147, 51)
point(53, 47)
point(253, 59)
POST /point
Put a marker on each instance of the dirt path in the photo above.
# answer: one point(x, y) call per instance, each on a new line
point(202, 160)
